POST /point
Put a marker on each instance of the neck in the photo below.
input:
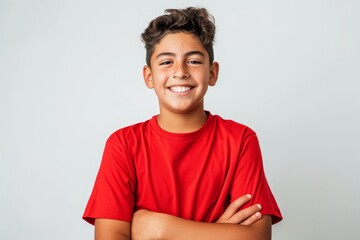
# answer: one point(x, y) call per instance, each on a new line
point(182, 122)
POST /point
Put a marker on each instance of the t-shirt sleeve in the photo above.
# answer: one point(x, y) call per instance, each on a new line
point(250, 179)
point(113, 193)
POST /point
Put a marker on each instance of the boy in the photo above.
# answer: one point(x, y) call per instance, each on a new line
point(185, 172)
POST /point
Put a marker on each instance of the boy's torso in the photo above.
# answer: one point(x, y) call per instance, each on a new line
point(186, 175)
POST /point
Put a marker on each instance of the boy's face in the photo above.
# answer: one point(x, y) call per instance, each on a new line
point(180, 73)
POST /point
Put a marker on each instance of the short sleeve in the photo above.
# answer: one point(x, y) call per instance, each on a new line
point(250, 179)
point(113, 192)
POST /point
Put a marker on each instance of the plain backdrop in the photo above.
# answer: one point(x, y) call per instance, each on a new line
point(70, 75)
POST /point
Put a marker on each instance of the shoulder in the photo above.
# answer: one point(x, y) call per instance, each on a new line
point(129, 133)
point(233, 127)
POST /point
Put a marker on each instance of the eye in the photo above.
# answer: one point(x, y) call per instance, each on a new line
point(167, 62)
point(194, 62)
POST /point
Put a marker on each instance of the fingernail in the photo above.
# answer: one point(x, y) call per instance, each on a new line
point(258, 214)
point(248, 195)
point(258, 205)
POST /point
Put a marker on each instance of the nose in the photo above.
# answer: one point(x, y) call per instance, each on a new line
point(181, 72)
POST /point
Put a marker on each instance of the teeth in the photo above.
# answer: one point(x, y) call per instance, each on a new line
point(180, 89)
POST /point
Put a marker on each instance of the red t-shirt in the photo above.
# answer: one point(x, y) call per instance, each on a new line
point(191, 175)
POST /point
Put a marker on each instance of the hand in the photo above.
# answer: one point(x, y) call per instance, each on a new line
point(246, 216)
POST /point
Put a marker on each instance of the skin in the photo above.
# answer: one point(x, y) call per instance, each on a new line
point(180, 60)
point(233, 224)
point(109, 229)
point(180, 75)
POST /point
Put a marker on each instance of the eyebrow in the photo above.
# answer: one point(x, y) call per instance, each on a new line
point(171, 54)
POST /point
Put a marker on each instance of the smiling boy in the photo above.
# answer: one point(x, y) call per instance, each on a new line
point(184, 173)
point(180, 74)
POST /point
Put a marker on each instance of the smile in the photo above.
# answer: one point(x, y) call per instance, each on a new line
point(180, 89)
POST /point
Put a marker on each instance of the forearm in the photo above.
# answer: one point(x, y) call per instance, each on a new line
point(152, 225)
point(246, 224)
point(175, 228)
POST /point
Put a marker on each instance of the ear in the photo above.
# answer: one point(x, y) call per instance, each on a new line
point(147, 74)
point(214, 73)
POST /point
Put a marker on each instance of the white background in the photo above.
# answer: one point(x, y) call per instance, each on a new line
point(70, 74)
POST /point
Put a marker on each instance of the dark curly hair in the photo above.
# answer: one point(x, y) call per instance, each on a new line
point(191, 20)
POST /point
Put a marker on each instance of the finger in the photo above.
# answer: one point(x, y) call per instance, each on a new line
point(233, 208)
point(245, 214)
point(254, 218)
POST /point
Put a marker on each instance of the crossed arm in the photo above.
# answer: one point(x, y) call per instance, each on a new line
point(246, 224)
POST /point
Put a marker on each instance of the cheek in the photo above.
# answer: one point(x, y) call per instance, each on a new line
point(160, 77)
point(202, 77)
